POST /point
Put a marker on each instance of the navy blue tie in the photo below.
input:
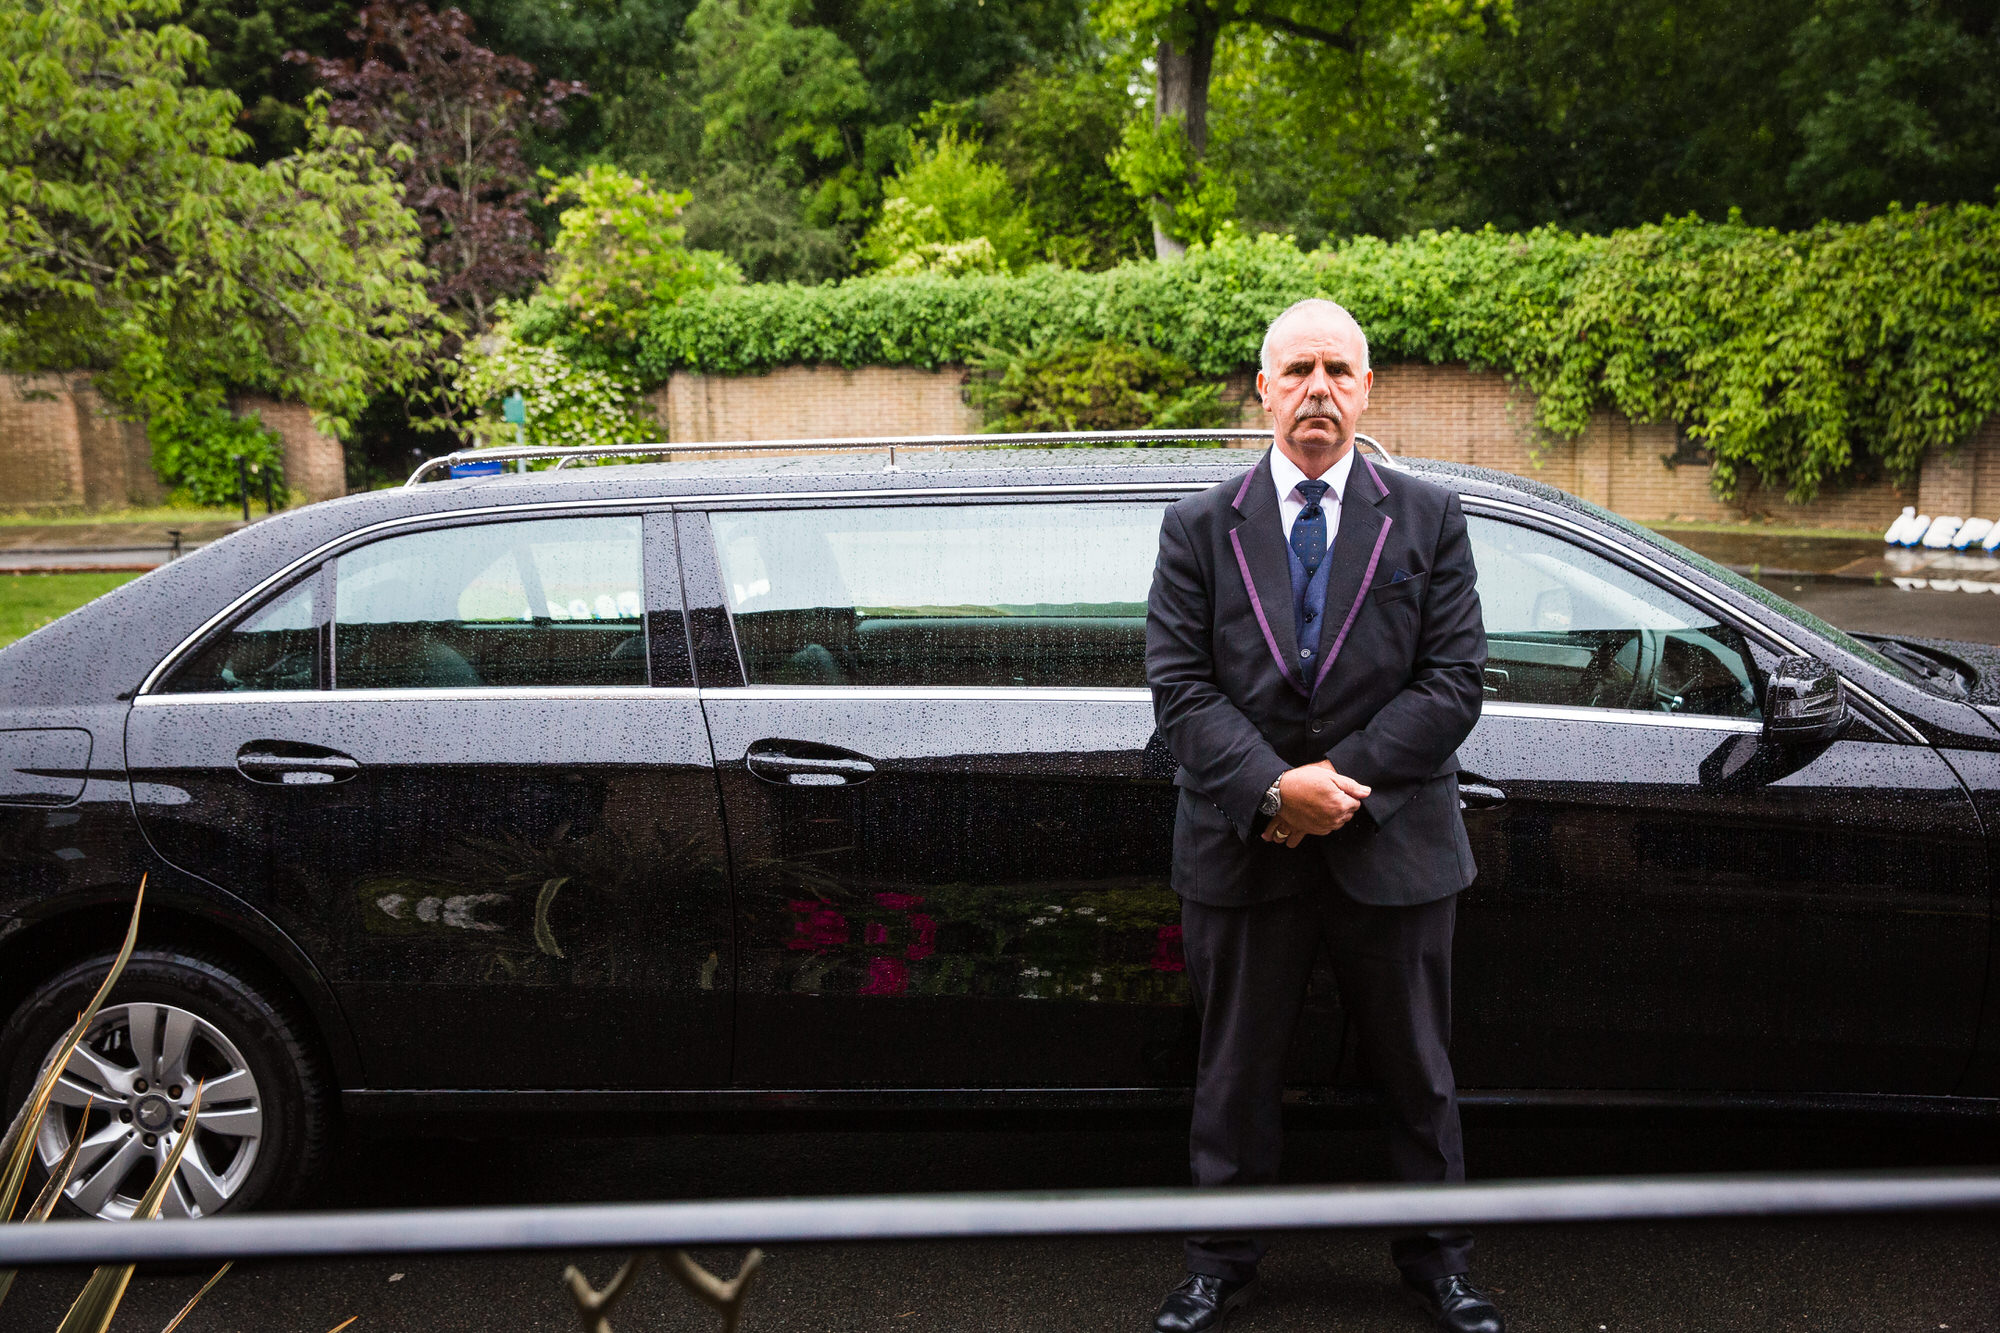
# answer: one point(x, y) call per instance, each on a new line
point(1309, 528)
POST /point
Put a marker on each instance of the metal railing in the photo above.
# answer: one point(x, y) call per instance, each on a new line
point(839, 444)
point(649, 1226)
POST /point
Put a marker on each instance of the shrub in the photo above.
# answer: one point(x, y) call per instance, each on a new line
point(1095, 386)
point(195, 450)
point(567, 403)
point(940, 206)
point(1795, 358)
point(619, 250)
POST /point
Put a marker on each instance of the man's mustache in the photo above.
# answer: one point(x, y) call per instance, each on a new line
point(1317, 407)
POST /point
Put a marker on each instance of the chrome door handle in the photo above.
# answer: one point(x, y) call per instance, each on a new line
point(1474, 794)
point(828, 768)
point(295, 770)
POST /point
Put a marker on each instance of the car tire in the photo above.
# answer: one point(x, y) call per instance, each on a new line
point(188, 1019)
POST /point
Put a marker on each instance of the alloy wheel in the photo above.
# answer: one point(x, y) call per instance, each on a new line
point(125, 1093)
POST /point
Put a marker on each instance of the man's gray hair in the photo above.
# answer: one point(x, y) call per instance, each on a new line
point(1318, 304)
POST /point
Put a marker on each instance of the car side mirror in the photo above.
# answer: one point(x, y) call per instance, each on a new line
point(1804, 701)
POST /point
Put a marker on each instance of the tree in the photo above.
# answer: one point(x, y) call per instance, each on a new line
point(1053, 130)
point(949, 211)
point(619, 251)
point(457, 111)
point(1894, 100)
point(134, 241)
point(247, 43)
point(1165, 160)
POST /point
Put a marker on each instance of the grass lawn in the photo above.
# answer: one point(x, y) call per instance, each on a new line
point(166, 514)
point(30, 601)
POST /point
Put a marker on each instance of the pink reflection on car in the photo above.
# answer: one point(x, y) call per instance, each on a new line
point(886, 976)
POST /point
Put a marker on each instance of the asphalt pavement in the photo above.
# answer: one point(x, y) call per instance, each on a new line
point(1869, 1274)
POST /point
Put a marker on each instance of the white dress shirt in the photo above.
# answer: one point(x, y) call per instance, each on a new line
point(1285, 475)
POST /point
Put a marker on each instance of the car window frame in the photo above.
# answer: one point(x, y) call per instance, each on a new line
point(331, 574)
point(704, 579)
point(1638, 563)
point(321, 561)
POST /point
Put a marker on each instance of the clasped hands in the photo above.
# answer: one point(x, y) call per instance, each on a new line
point(1313, 799)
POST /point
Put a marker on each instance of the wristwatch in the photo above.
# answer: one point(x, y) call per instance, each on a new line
point(1269, 805)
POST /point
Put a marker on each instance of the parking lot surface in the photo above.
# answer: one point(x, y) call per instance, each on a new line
point(1870, 1274)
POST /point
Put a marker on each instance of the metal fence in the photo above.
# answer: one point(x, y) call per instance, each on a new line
point(649, 1226)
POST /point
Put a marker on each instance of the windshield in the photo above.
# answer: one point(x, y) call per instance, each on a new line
point(1763, 596)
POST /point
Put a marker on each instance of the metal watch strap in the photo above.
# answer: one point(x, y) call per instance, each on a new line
point(1272, 800)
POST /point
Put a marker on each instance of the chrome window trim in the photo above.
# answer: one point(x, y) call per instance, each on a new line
point(1124, 694)
point(1134, 695)
point(637, 504)
point(1624, 716)
point(1504, 508)
point(411, 695)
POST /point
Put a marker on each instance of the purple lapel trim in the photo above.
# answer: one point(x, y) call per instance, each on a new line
point(1243, 490)
point(1257, 605)
point(1367, 579)
point(1373, 473)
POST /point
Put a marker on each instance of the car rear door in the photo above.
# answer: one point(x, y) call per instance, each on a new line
point(464, 765)
point(949, 817)
point(1667, 900)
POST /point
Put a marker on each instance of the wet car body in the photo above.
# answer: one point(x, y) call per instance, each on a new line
point(727, 836)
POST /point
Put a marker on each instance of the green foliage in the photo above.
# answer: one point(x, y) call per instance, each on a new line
point(195, 448)
point(1796, 358)
point(1053, 132)
point(1189, 200)
point(1095, 386)
point(1208, 310)
point(949, 212)
point(619, 250)
point(135, 242)
point(247, 43)
point(568, 403)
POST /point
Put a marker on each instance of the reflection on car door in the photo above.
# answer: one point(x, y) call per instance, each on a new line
point(444, 763)
point(1666, 900)
point(950, 838)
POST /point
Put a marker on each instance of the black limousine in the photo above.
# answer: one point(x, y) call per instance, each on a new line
point(812, 782)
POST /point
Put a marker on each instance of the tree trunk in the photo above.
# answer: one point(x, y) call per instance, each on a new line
point(1180, 88)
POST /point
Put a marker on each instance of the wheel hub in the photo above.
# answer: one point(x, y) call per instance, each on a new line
point(153, 1113)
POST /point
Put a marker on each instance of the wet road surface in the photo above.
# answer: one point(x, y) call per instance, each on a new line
point(1863, 1274)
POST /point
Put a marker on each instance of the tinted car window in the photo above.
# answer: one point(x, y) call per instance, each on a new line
point(276, 647)
point(540, 602)
point(1566, 626)
point(995, 595)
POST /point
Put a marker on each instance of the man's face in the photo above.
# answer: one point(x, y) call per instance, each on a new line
point(1318, 388)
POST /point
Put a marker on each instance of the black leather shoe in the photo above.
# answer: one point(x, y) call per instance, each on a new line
point(1202, 1302)
point(1455, 1305)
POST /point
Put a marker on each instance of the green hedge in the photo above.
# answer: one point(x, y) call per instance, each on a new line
point(1796, 358)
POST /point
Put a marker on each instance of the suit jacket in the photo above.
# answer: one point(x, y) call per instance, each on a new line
point(1392, 692)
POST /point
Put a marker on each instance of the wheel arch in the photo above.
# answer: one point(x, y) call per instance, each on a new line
point(75, 926)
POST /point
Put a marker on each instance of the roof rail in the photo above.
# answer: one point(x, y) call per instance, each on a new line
point(582, 453)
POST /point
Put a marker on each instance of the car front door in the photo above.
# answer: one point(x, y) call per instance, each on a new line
point(1668, 900)
point(950, 821)
point(451, 764)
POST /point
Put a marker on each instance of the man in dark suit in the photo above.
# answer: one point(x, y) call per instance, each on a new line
point(1314, 648)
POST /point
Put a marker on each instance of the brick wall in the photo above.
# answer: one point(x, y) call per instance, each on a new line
point(314, 460)
point(62, 444)
point(807, 402)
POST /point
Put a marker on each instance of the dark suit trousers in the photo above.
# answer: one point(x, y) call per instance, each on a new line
point(1248, 967)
